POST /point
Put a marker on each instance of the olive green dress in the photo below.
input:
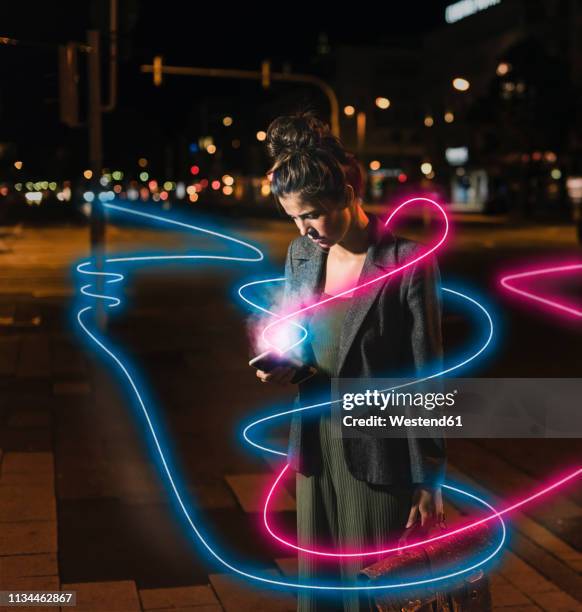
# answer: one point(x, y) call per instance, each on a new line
point(334, 509)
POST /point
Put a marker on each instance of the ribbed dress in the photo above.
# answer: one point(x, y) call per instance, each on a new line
point(335, 511)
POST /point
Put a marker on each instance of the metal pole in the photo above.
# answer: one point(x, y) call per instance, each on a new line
point(97, 218)
point(112, 58)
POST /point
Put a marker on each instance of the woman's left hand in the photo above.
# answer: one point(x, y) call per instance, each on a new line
point(427, 507)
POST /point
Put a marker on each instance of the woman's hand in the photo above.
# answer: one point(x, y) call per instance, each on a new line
point(427, 507)
point(280, 375)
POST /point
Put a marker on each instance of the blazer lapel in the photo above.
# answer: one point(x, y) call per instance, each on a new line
point(309, 262)
point(379, 260)
point(309, 265)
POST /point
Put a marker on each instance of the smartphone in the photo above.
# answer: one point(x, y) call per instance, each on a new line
point(269, 360)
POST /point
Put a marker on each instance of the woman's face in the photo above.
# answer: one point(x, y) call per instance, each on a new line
point(324, 226)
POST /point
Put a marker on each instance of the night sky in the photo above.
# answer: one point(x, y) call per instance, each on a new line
point(185, 34)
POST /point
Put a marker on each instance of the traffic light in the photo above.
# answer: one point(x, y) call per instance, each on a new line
point(266, 74)
point(157, 71)
point(68, 85)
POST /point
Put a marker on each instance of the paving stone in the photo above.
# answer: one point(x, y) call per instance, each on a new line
point(27, 503)
point(54, 292)
point(28, 478)
point(211, 495)
point(557, 601)
point(136, 480)
point(524, 577)
point(208, 495)
point(518, 574)
point(68, 359)
point(104, 539)
point(28, 537)
point(177, 597)
point(85, 483)
point(29, 418)
point(26, 440)
point(554, 560)
point(497, 579)
point(251, 489)
point(29, 583)
point(34, 357)
point(508, 595)
point(17, 462)
point(9, 347)
point(483, 465)
point(7, 311)
point(276, 463)
point(118, 596)
point(289, 566)
point(238, 595)
point(548, 540)
point(516, 608)
point(21, 566)
point(204, 608)
point(71, 388)
point(33, 583)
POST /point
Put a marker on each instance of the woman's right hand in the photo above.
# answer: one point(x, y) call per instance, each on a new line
point(280, 376)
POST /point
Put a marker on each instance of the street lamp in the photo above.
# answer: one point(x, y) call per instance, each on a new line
point(349, 111)
point(503, 68)
point(383, 103)
point(461, 84)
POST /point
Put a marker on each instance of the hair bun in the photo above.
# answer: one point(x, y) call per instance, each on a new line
point(307, 159)
point(300, 133)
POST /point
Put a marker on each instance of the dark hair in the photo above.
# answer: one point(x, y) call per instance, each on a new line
point(309, 160)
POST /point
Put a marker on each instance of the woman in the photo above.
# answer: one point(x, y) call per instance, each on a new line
point(351, 492)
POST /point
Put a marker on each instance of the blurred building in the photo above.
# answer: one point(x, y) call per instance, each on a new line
point(485, 104)
point(383, 83)
point(516, 122)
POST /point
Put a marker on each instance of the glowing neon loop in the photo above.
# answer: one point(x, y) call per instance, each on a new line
point(81, 268)
point(397, 270)
point(442, 536)
point(560, 306)
point(444, 372)
point(263, 579)
point(285, 413)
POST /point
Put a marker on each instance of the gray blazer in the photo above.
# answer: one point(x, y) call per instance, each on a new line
point(392, 328)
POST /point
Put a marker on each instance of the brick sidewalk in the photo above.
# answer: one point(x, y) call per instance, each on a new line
point(28, 556)
point(75, 483)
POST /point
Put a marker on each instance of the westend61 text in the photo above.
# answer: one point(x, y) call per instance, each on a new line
point(400, 421)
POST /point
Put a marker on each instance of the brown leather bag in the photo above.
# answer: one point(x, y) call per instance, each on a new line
point(467, 593)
